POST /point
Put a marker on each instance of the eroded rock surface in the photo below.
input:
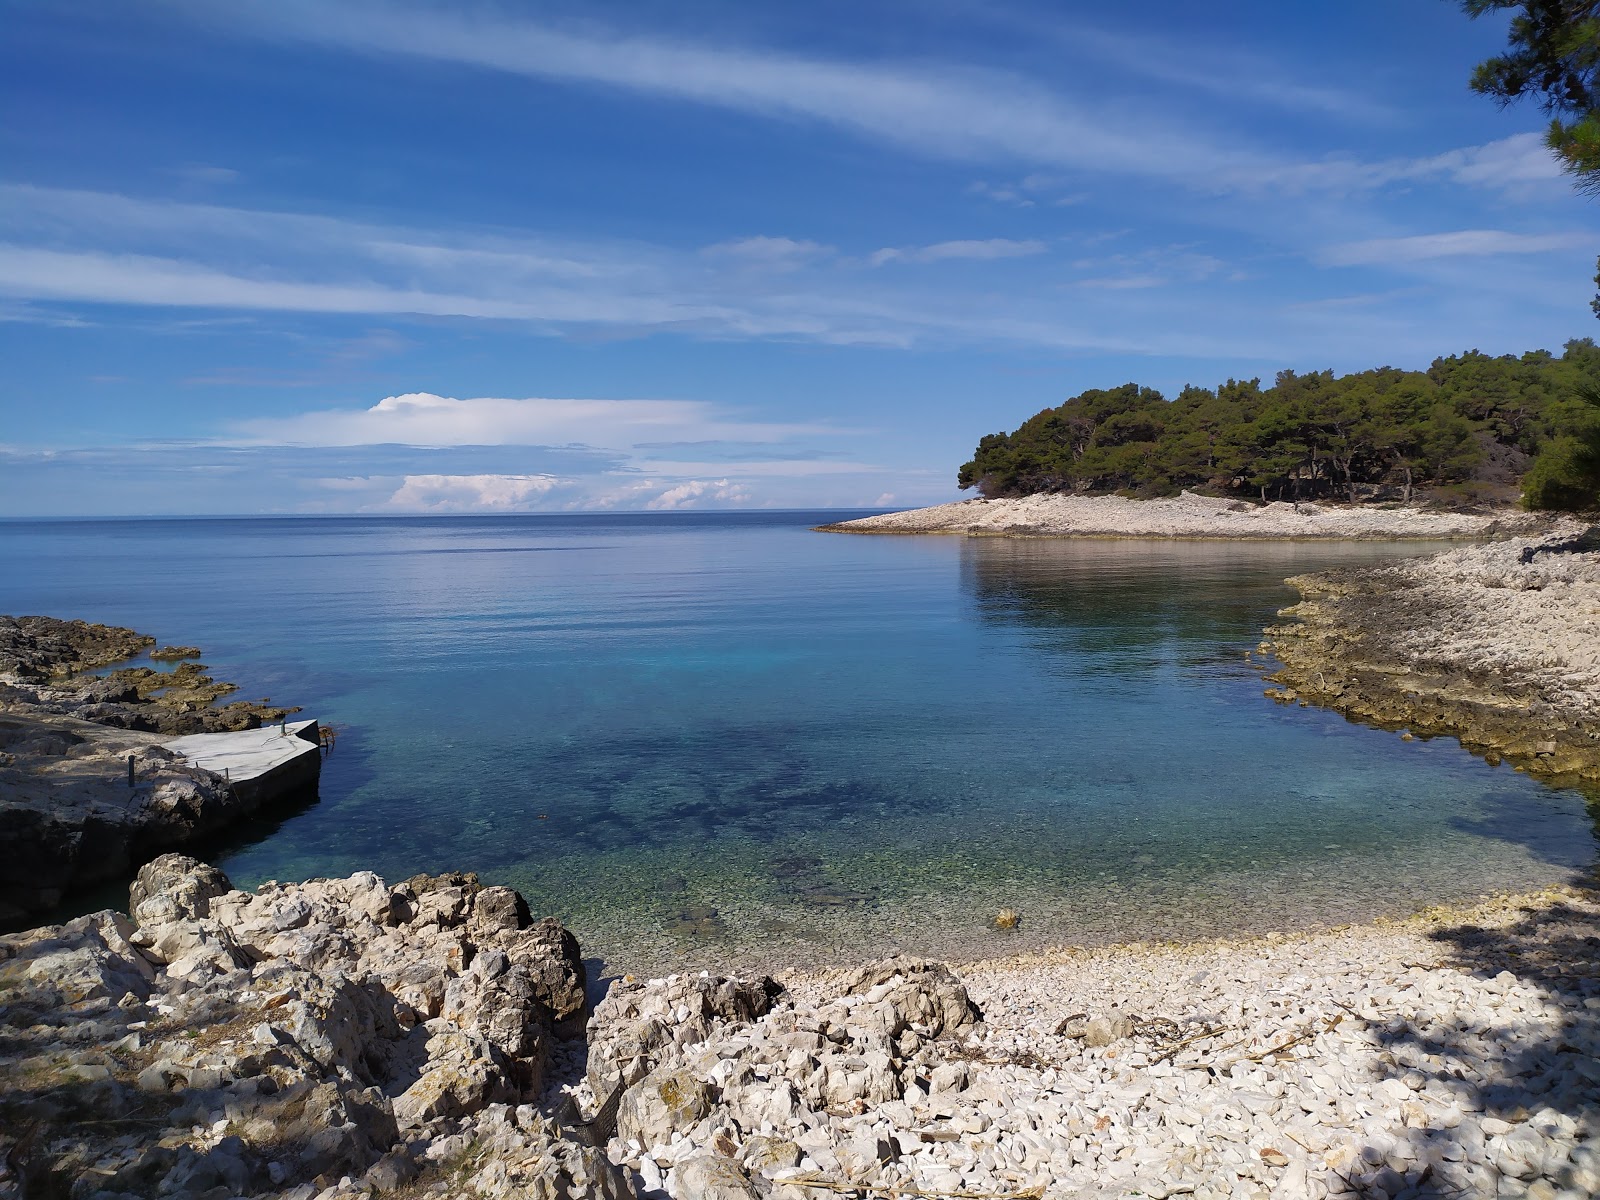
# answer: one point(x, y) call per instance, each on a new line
point(229, 1043)
point(347, 1037)
point(1498, 645)
point(70, 814)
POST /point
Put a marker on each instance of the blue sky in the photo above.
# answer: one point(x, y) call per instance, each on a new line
point(285, 256)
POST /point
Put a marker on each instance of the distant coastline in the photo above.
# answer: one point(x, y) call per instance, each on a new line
point(1191, 516)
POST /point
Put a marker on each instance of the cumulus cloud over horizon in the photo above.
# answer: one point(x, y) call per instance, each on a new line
point(471, 493)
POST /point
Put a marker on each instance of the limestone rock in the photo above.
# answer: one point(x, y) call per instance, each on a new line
point(766, 1155)
point(639, 1022)
point(667, 1099)
point(905, 992)
point(707, 1177)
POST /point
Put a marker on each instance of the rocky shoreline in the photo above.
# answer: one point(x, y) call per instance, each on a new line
point(340, 1038)
point(1192, 516)
point(1497, 645)
point(88, 789)
point(344, 1037)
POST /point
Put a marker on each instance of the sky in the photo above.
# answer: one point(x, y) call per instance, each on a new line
point(392, 256)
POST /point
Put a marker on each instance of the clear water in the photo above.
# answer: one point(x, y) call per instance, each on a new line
point(708, 739)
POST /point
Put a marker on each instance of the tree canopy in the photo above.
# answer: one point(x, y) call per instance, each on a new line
point(1470, 427)
point(1552, 56)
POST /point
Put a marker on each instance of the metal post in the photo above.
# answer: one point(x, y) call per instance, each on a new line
point(130, 770)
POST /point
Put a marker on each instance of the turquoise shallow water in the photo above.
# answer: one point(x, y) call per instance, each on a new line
point(703, 739)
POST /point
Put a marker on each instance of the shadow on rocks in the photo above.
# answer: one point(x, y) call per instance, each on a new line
point(1492, 1056)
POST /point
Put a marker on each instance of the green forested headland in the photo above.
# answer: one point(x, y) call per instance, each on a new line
point(1471, 428)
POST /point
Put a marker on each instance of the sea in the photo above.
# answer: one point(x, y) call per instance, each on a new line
point(724, 740)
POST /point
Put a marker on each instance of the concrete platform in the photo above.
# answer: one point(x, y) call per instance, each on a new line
point(261, 764)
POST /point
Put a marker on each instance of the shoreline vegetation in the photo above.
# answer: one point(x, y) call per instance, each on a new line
point(339, 1038)
point(1469, 429)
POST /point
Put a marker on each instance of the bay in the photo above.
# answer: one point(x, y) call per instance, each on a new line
point(719, 739)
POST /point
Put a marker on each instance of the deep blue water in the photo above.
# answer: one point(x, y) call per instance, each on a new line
point(836, 743)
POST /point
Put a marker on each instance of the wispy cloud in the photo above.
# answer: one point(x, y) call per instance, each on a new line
point(984, 250)
point(1461, 243)
point(944, 110)
point(139, 279)
point(205, 174)
point(424, 419)
point(103, 248)
point(1509, 163)
point(71, 249)
point(1154, 267)
point(1219, 69)
point(770, 253)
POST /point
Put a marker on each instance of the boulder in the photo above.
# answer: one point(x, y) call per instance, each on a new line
point(707, 1177)
point(904, 992)
point(175, 887)
point(639, 1023)
point(90, 958)
point(668, 1099)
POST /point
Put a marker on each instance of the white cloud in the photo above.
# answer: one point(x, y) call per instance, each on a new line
point(987, 249)
point(699, 491)
point(1513, 162)
point(779, 253)
point(1522, 158)
point(943, 110)
point(205, 173)
point(1461, 243)
point(424, 419)
point(471, 493)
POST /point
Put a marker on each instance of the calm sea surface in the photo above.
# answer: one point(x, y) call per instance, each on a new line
point(702, 739)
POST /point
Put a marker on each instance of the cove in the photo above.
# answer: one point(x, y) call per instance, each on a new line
point(710, 739)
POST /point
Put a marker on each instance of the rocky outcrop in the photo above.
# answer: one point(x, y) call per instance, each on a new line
point(225, 1043)
point(1496, 645)
point(72, 810)
point(347, 1037)
point(1194, 516)
point(43, 662)
point(43, 648)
